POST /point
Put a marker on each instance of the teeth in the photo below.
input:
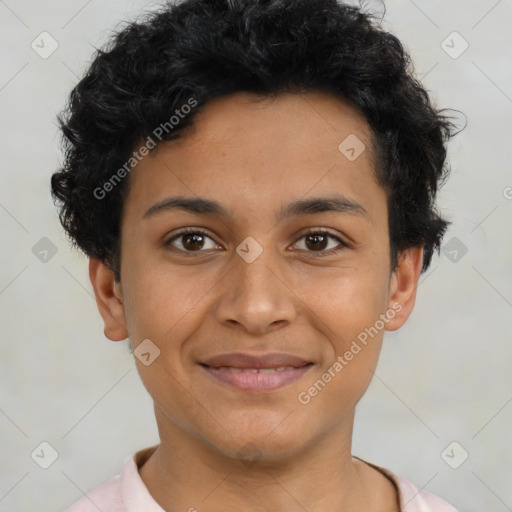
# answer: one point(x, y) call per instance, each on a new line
point(256, 370)
point(280, 369)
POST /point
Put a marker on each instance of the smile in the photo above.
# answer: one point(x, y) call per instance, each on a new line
point(257, 379)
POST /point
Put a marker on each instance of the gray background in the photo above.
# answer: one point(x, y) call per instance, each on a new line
point(443, 377)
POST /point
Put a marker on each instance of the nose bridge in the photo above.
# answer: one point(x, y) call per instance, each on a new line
point(253, 270)
point(255, 295)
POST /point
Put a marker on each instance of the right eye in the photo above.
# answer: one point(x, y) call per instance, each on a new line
point(190, 239)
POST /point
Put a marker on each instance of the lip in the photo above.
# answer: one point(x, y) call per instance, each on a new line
point(261, 373)
point(268, 360)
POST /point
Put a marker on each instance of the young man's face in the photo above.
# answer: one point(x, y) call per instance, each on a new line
point(255, 290)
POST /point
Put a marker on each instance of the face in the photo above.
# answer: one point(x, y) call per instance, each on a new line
point(285, 266)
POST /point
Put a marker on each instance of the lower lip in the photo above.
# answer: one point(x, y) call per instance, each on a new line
point(257, 381)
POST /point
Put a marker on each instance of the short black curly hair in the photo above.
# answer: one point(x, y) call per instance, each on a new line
point(203, 49)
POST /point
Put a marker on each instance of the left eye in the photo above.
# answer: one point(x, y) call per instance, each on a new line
point(319, 241)
point(193, 240)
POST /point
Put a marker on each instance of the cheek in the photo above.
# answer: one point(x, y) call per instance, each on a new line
point(162, 307)
point(349, 309)
point(162, 297)
point(347, 301)
point(334, 394)
point(349, 304)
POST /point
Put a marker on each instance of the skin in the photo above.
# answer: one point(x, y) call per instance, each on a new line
point(254, 156)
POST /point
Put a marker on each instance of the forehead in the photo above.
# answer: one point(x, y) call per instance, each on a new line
point(297, 120)
point(250, 151)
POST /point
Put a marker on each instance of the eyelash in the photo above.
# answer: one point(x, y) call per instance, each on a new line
point(311, 231)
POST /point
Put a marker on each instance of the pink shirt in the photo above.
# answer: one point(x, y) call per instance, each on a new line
point(127, 492)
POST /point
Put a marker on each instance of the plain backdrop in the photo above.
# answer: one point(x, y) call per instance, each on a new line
point(444, 378)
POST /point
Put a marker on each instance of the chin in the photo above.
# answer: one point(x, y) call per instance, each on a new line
point(264, 441)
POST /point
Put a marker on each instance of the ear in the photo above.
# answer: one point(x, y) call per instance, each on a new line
point(109, 300)
point(403, 286)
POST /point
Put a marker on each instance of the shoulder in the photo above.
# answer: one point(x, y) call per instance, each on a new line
point(106, 497)
point(122, 493)
point(416, 500)
point(410, 497)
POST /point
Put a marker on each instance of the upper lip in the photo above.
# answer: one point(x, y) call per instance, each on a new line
point(268, 360)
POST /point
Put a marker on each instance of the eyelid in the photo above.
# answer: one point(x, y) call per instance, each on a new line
point(324, 231)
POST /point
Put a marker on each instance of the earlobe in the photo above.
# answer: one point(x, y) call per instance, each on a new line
point(403, 286)
point(108, 299)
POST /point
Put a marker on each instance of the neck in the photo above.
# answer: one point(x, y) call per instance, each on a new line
point(187, 474)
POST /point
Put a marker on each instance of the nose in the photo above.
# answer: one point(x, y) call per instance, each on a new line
point(256, 296)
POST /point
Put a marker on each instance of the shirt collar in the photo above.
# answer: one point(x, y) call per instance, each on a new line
point(134, 493)
point(410, 498)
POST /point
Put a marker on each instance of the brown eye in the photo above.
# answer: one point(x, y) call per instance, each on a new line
point(318, 241)
point(190, 240)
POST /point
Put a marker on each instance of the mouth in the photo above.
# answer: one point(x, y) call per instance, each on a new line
point(256, 373)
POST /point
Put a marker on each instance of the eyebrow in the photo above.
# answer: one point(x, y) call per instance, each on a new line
point(204, 206)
